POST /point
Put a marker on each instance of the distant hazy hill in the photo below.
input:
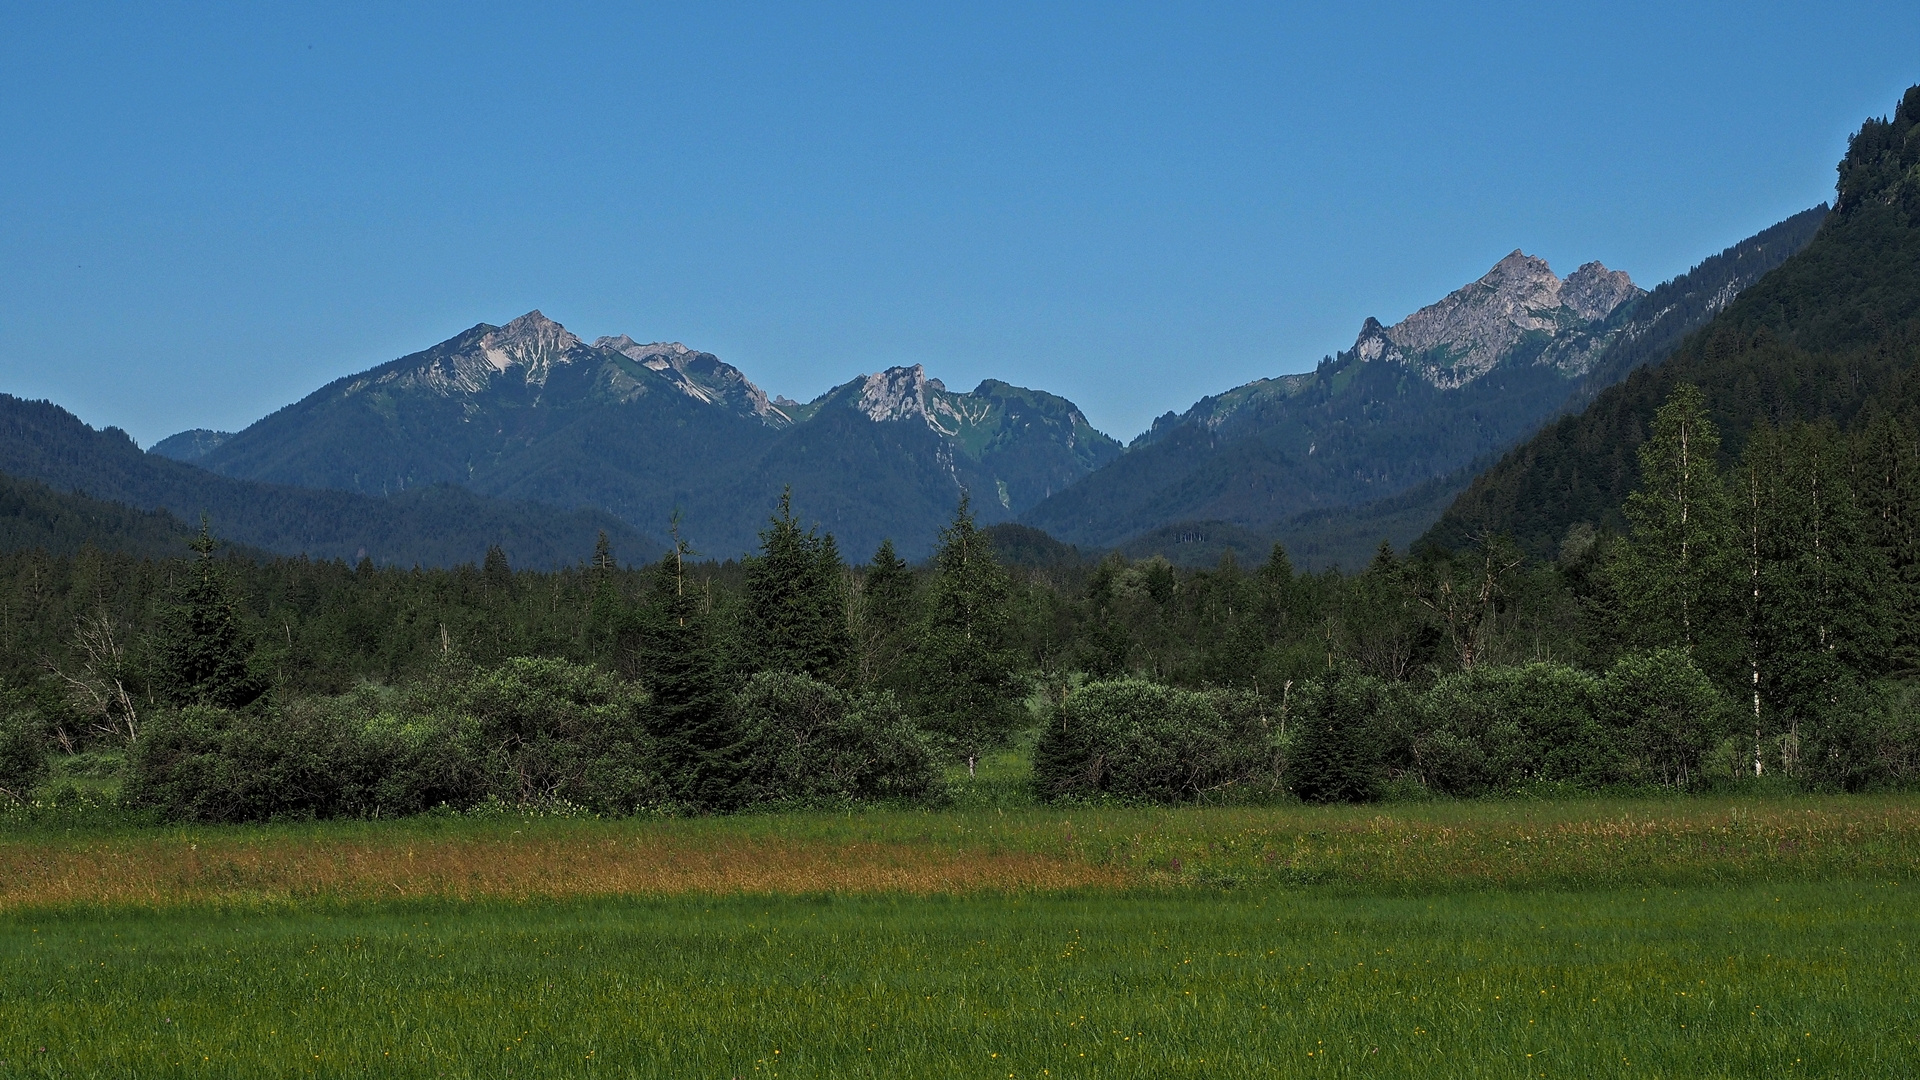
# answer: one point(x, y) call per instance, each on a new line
point(529, 411)
point(433, 526)
point(1832, 331)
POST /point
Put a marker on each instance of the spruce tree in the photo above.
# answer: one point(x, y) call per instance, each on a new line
point(694, 729)
point(886, 615)
point(1675, 575)
point(1818, 625)
point(795, 618)
point(966, 692)
point(203, 655)
point(1334, 756)
point(1886, 483)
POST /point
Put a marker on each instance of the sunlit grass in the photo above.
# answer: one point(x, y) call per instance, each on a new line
point(1658, 937)
point(1398, 848)
point(1799, 979)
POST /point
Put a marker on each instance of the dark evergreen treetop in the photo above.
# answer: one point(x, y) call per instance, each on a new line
point(795, 616)
point(695, 733)
point(202, 656)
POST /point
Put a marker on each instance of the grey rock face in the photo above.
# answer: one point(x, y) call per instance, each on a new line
point(1477, 327)
point(701, 376)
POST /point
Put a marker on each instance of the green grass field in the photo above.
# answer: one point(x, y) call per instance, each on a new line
point(1806, 979)
point(1679, 937)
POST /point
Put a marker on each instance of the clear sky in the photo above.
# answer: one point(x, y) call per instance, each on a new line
point(208, 211)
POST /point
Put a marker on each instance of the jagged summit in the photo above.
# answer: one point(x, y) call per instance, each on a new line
point(1481, 325)
point(906, 393)
point(653, 430)
point(700, 375)
point(1595, 292)
point(531, 341)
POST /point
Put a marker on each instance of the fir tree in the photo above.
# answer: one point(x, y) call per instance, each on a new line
point(1334, 758)
point(1818, 622)
point(966, 692)
point(795, 617)
point(886, 614)
point(1675, 574)
point(693, 728)
point(203, 653)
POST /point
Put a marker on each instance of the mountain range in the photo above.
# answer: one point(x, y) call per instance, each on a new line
point(1377, 440)
point(655, 433)
point(526, 436)
point(435, 525)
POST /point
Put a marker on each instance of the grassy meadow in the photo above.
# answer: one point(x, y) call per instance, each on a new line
point(1770, 936)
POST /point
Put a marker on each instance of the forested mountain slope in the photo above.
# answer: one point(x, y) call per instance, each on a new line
point(432, 526)
point(1834, 331)
point(1477, 413)
point(34, 516)
point(1422, 398)
point(529, 411)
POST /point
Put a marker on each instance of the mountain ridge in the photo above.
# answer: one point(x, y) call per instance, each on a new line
point(431, 526)
point(530, 411)
point(1829, 334)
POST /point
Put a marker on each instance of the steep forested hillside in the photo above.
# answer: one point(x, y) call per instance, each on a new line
point(1830, 334)
point(433, 526)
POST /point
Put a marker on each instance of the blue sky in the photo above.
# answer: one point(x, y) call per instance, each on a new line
point(208, 211)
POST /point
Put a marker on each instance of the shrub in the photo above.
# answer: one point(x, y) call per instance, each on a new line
point(1666, 715)
point(539, 730)
point(207, 763)
point(23, 753)
point(529, 731)
point(1140, 740)
point(1500, 728)
point(1337, 748)
point(809, 743)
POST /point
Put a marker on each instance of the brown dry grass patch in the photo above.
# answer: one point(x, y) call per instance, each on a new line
point(156, 871)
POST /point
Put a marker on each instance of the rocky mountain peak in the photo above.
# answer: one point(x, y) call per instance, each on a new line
point(1595, 291)
point(1473, 329)
point(532, 341)
point(898, 393)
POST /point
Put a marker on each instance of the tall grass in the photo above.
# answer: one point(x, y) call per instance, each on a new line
point(1401, 848)
point(1807, 978)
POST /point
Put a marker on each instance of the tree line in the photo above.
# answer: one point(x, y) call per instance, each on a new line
point(1755, 622)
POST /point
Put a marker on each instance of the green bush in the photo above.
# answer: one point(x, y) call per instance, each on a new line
point(529, 731)
point(1135, 739)
point(1667, 717)
point(23, 753)
point(1495, 729)
point(207, 763)
point(809, 743)
point(540, 730)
